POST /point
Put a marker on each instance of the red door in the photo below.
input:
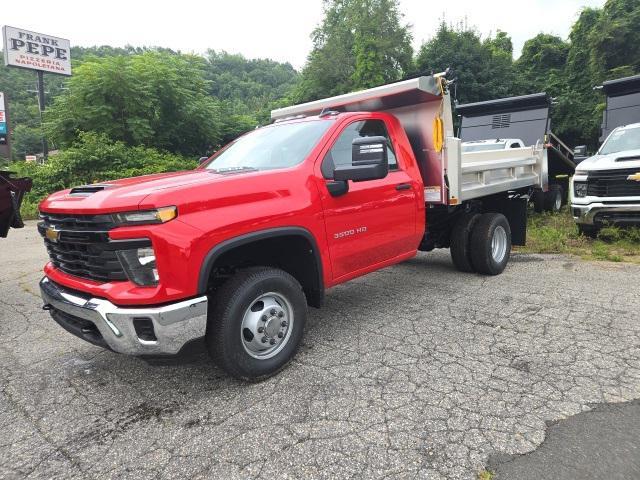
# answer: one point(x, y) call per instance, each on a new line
point(375, 220)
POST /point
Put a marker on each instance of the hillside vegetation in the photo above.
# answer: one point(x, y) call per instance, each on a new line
point(123, 104)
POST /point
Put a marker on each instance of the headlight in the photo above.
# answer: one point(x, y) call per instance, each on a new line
point(140, 266)
point(144, 217)
point(580, 189)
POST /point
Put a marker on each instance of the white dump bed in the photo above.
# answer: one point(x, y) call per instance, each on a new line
point(449, 176)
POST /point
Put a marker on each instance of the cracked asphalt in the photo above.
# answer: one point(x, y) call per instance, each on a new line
point(416, 371)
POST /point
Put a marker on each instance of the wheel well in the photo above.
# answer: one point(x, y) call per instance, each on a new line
point(294, 253)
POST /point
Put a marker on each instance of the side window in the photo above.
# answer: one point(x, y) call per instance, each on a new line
point(515, 145)
point(340, 153)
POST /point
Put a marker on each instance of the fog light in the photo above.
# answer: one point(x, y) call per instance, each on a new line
point(140, 266)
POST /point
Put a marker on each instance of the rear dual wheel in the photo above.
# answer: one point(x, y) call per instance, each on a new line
point(553, 199)
point(549, 201)
point(481, 243)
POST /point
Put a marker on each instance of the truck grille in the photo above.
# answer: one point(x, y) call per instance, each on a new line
point(82, 247)
point(613, 183)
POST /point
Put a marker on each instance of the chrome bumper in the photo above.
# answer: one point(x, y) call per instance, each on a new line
point(174, 325)
point(585, 214)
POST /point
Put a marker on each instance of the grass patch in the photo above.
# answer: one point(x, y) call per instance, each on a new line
point(485, 475)
point(548, 233)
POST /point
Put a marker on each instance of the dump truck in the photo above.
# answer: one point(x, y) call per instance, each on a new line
point(230, 255)
point(525, 119)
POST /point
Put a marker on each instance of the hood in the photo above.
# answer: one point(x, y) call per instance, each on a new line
point(612, 161)
point(125, 194)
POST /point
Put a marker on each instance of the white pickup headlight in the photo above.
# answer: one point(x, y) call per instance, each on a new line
point(580, 189)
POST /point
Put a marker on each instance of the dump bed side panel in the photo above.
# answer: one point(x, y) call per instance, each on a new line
point(525, 117)
point(530, 126)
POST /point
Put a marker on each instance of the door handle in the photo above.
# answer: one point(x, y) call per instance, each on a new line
point(403, 186)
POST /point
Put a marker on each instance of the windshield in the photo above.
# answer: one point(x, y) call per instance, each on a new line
point(481, 147)
point(620, 140)
point(277, 146)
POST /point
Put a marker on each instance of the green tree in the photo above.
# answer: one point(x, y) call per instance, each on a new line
point(360, 44)
point(541, 64)
point(154, 99)
point(614, 41)
point(484, 68)
point(248, 88)
point(26, 140)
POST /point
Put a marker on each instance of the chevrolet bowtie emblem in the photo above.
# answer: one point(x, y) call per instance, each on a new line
point(635, 177)
point(52, 234)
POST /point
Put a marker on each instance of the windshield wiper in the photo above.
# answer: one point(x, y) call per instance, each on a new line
point(233, 169)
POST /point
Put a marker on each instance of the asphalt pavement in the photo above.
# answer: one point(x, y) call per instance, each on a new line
point(416, 371)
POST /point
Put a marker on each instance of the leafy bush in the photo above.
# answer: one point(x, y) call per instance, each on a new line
point(155, 99)
point(93, 158)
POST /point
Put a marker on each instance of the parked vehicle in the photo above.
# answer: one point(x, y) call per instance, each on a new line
point(493, 144)
point(525, 119)
point(234, 251)
point(12, 191)
point(606, 186)
point(622, 104)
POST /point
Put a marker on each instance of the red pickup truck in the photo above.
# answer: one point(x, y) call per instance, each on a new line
point(233, 252)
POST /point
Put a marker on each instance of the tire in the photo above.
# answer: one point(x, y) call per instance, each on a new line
point(237, 313)
point(460, 242)
point(491, 244)
point(538, 201)
point(590, 231)
point(553, 199)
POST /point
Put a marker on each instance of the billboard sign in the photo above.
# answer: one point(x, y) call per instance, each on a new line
point(36, 51)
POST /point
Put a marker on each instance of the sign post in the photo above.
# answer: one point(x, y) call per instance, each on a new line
point(39, 52)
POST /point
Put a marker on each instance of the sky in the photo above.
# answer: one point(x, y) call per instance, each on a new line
point(276, 29)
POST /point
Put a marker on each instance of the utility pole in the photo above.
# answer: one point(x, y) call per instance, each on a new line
point(41, 105)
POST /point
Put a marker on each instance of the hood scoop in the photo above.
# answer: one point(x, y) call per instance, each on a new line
point(628, 159)
point(86, 190)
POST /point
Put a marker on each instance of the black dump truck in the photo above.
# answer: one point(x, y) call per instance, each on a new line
point(526, 120)
point(623, 104)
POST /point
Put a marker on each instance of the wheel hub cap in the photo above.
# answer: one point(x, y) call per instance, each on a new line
point(499, 244)
point(266, 325)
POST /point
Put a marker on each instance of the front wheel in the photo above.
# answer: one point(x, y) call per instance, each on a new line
point(256, 322)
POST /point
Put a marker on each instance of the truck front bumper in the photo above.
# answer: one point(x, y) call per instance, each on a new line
point(145, 331)
point(602, 213)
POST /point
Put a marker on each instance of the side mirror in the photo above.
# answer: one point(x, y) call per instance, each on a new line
point(201, 160)
point(369, 161)
point(579, 153)
point(580, 150)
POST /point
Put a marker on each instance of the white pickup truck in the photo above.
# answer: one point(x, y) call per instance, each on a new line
point(606, 186)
